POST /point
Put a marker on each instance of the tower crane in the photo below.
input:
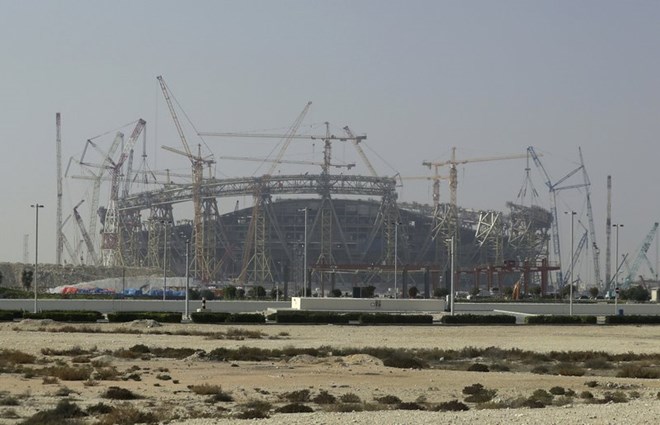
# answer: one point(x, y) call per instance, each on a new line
point(641, 254)
point(111, 232)
point(197, 162)
point(453, 182)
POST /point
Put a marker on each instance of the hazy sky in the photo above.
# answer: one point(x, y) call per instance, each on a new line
point(418, 77)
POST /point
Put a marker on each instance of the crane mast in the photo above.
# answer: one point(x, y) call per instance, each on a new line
point(592, 229)
point(59, 241)
point(197, 163)
point(110, 243)
point(641, 254)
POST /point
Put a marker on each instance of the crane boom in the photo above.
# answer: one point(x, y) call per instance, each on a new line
point(287, 138)
point(592, 228)
point(170, 105)
point(356, 142)
point(86, 238)
point(283, 161)
point(641, 253)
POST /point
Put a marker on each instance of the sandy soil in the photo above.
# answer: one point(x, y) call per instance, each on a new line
point(361, 375)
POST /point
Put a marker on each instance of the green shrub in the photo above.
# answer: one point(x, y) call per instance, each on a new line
point(315, 317)
point(9, 315)
point(209, 317)
point(384, 318)
point(560, 320)
point(65, 316)
point(632, 319)
point(486, 319)
point(129, 316)
point(246, 318)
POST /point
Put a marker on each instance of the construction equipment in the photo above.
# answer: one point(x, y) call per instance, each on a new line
point(59, 241)
point(555, 188)
point(86, 238)
point(356, 143)
point(641, 254)
point(452, 221)
point(197, 162)
point(284, 161)
point(110, 240)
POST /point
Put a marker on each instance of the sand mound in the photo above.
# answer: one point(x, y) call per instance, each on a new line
point(362, 359)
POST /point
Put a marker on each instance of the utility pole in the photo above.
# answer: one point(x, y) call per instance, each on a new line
point(36, 207)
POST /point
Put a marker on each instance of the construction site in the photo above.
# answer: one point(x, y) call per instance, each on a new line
point(333, 226)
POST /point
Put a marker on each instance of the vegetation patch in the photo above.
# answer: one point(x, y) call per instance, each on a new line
point(451, 406)
point(65, 315)
point(118, 393)
point(64, 413)
point(294, 408)
point(633, 320)
point(129, 316)
point(484, 319)
point(560, 320)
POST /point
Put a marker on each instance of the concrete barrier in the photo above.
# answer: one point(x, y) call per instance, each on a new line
point(384, 305)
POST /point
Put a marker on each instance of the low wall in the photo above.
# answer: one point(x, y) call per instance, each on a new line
point(367, 304)
point(592, 309)
point(108, 306)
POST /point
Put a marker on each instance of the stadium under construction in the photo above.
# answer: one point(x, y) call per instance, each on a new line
point(331, 230)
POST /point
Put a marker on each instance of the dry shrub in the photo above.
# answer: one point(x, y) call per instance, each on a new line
point(107, 374)
point(349, 398)
point(298, 396)
point(478, 367)
point(597, 363)
point(388, 399)
point(569, 369)
point(324, 397)
point(64, 413)
point(70, 373)
point(638, 370)
point(215, 391)
point(15, 357)
point(252, 414)
point(294, 408)
point(451, 406)
point(540, 370)
point(557, 391)
point(409, 406)
point(117, 393)
point(125, 414)
point(49, 380)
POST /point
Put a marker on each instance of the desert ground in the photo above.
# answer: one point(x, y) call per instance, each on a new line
point(166, 385)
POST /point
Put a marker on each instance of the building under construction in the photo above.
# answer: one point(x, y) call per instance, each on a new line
point(347, 229)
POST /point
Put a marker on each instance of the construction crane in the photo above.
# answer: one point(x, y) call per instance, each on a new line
point(197, 162)
point(284, 161)
point(97, 177)
point(59, 241)
point(576, 255)
point(641, 254)
point(85, 235)
point(558, 186)
point(356, 143)
point(453, 182)
point(110, 243)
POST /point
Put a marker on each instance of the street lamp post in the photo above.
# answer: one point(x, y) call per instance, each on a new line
point(616, 273)
point(36, 207)
point(570, 288)
point(451, 280)
point(396, 257)
point(186, 314)
point(305, 255)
